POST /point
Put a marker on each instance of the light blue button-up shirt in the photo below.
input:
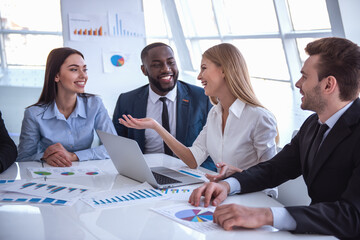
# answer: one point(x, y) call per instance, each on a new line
point(44, 126)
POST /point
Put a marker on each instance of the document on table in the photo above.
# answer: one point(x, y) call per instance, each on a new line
point(25, 198)
point(40, 192)
point(197, 218)
point(180, 193)
point(46, 189)
point(64, 172)
point(123, 197)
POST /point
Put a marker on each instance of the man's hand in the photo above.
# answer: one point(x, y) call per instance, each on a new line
point(233, 215)
point(56, 155)
point(217, 192)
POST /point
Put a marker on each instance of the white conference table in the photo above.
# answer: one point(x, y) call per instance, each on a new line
point(81, 221)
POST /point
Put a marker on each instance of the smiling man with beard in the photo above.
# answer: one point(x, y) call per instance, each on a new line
point(187, 105)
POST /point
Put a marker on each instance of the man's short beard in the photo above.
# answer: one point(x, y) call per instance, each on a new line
point(158, 86)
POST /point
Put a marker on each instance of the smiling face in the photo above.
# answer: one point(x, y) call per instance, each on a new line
point(212, 78)
point(160, 67)
point(72, 76)
point(310, 86)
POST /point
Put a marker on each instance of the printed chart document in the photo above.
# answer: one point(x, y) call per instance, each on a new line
point(180, 193)
point(123, 197)
point(64, 172)
point(197, 218)
point(41, 192)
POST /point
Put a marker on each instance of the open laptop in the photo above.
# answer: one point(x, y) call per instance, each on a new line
point(130, 162)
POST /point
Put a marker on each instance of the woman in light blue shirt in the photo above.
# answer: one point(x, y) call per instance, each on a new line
point(59, 128)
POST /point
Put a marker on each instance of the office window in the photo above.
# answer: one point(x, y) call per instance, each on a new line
point(309, 14)
point(155, 22)
point(197, 18)
point(248, 17)
point(250, 25)
point(29, 49)
point(265, 58)
point(301, 44)
point(29, 31)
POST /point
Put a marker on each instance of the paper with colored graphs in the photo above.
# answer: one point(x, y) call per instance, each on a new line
point(180, 193)
point(46, 189)
point(197, 218)
point(30, 199)
point(64, 172)
point(123, 197)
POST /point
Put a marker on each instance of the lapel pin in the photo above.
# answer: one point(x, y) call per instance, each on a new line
point(185, 100)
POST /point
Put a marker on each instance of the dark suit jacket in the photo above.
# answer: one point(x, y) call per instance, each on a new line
point(8, 150)
point(192, 108)
point(333, 181)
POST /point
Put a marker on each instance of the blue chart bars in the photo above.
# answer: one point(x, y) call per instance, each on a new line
point(126, 25)
point(35, 200)
point(121, 199)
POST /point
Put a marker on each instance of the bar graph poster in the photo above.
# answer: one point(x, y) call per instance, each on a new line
point(87, 27)
point(47, 189)
point(126, 24)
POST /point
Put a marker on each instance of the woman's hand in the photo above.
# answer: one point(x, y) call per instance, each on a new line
point(226, 171)
point(141, 123)
point(56, 155)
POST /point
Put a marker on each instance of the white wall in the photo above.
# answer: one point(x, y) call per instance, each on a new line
point(107, 85)
point(350, 14)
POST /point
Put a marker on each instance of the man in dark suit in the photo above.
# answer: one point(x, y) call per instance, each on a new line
point(187, 105)
point(329, 160)
point(8, 150)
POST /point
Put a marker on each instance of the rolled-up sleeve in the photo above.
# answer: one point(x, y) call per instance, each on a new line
point(199, 148)
point(264, 136)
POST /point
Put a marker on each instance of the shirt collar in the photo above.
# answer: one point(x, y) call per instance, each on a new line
point(79, 108)
point(335, 117)
point(52, 110)
point(155, 97)
point(236, 108)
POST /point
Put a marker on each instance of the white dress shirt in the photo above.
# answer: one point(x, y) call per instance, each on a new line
point(249, 136)
point(153, 141)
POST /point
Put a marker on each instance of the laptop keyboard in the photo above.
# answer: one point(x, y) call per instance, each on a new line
point(162, 179)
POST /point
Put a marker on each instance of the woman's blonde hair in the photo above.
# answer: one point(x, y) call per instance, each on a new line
point(237, 78)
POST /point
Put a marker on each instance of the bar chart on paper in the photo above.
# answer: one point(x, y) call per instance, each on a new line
point(126, 24)
point(22, 198)
point(85, 27)
point(130, 196)
point(47, 190)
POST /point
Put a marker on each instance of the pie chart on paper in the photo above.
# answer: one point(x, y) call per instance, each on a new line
point(117, 60)
point(195, 215)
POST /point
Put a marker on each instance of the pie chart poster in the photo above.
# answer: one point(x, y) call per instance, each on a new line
point(114, 61)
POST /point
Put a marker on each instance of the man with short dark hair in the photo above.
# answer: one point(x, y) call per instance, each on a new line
point(326, 151)
point(186, 106)
point(8, 150)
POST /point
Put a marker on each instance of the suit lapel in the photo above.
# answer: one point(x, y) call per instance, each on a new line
point(182, 112)
point(307, 145)
point(336, 135)
point(340, 131)
point(140, 112)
